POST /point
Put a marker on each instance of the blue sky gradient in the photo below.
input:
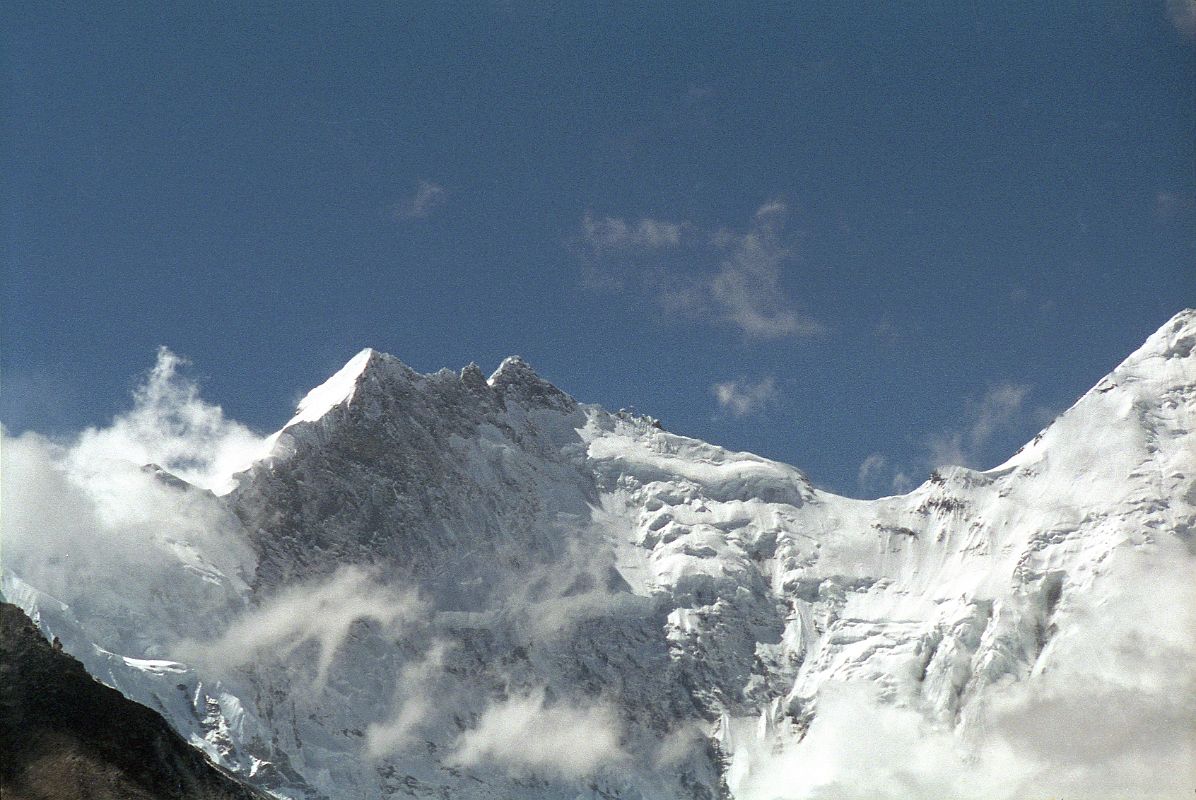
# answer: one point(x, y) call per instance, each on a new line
point(861, 240)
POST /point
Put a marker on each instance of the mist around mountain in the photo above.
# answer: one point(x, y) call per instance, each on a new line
point(460, 585)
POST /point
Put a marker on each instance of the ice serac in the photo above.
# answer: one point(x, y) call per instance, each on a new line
point(690, 603)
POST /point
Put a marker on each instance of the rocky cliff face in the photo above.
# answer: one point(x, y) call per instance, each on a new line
point(473, 587)
point(64, 735)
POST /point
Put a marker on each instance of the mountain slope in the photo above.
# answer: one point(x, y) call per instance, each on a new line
point(479, 587)
point(63, 735)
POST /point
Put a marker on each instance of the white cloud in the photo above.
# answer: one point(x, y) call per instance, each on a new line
point(858, 748)
point(76, 529)
point(540, 607)
point(901, 483)
point(614, 233)
point(726, 277)
point(171, 426)
point(995, 411)
point(415, 702)
point(525, 733)
point(740, 397)
point(999, 409)
point(871, 468)
point(83, 515)
point(747, 291)
point(428, 196)
point(679, 745)
point(322, 612)
point(546, 600)
point(1183, 16)
point(1171, 206)
point(876, 476)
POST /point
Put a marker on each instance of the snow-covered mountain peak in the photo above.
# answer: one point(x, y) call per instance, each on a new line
point(1176, 338)
point(1159, 361)
point(472, 377)
point(334, 391)
point(369, 368)
point(510, 367)
point(691, 604)
point(365, 379)
point(1146, 402)
point(374, 373)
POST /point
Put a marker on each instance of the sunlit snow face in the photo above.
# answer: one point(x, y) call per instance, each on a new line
point(1107, 714)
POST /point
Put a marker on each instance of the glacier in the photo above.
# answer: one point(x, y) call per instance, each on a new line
point(454, 585)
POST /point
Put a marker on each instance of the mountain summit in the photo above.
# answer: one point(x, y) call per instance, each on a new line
point(465, 587)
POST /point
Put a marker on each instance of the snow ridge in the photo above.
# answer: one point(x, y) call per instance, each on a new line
point(689, 606)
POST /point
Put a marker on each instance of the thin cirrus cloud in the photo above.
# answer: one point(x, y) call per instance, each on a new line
point(740, 398)
point(1183, 16)
point(614, 233)
point(322, 612)
point(427, 198)
point(995, 411)
point(726, 276)
point(998, 410)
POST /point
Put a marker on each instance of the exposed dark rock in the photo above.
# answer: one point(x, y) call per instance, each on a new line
point(65, 736)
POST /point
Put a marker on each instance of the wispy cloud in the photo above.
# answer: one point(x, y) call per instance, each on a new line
point(723, 276)
point(525, 732)
point(901, 483)
point(995, 411)
point(746, 291)
point(171, 426)
point(741, 397)
point(871, 467)
point(428, 196)
point(1001, 409)
point(613, 233)
point(321, 612)
point(140, 528)
point(1183, 16)
point(876, 476)
point(415, 702)
point(1171, 206)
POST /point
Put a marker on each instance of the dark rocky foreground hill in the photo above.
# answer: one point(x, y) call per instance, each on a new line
point(65, 736)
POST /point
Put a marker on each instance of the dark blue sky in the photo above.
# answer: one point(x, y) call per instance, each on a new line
point(903, 231)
